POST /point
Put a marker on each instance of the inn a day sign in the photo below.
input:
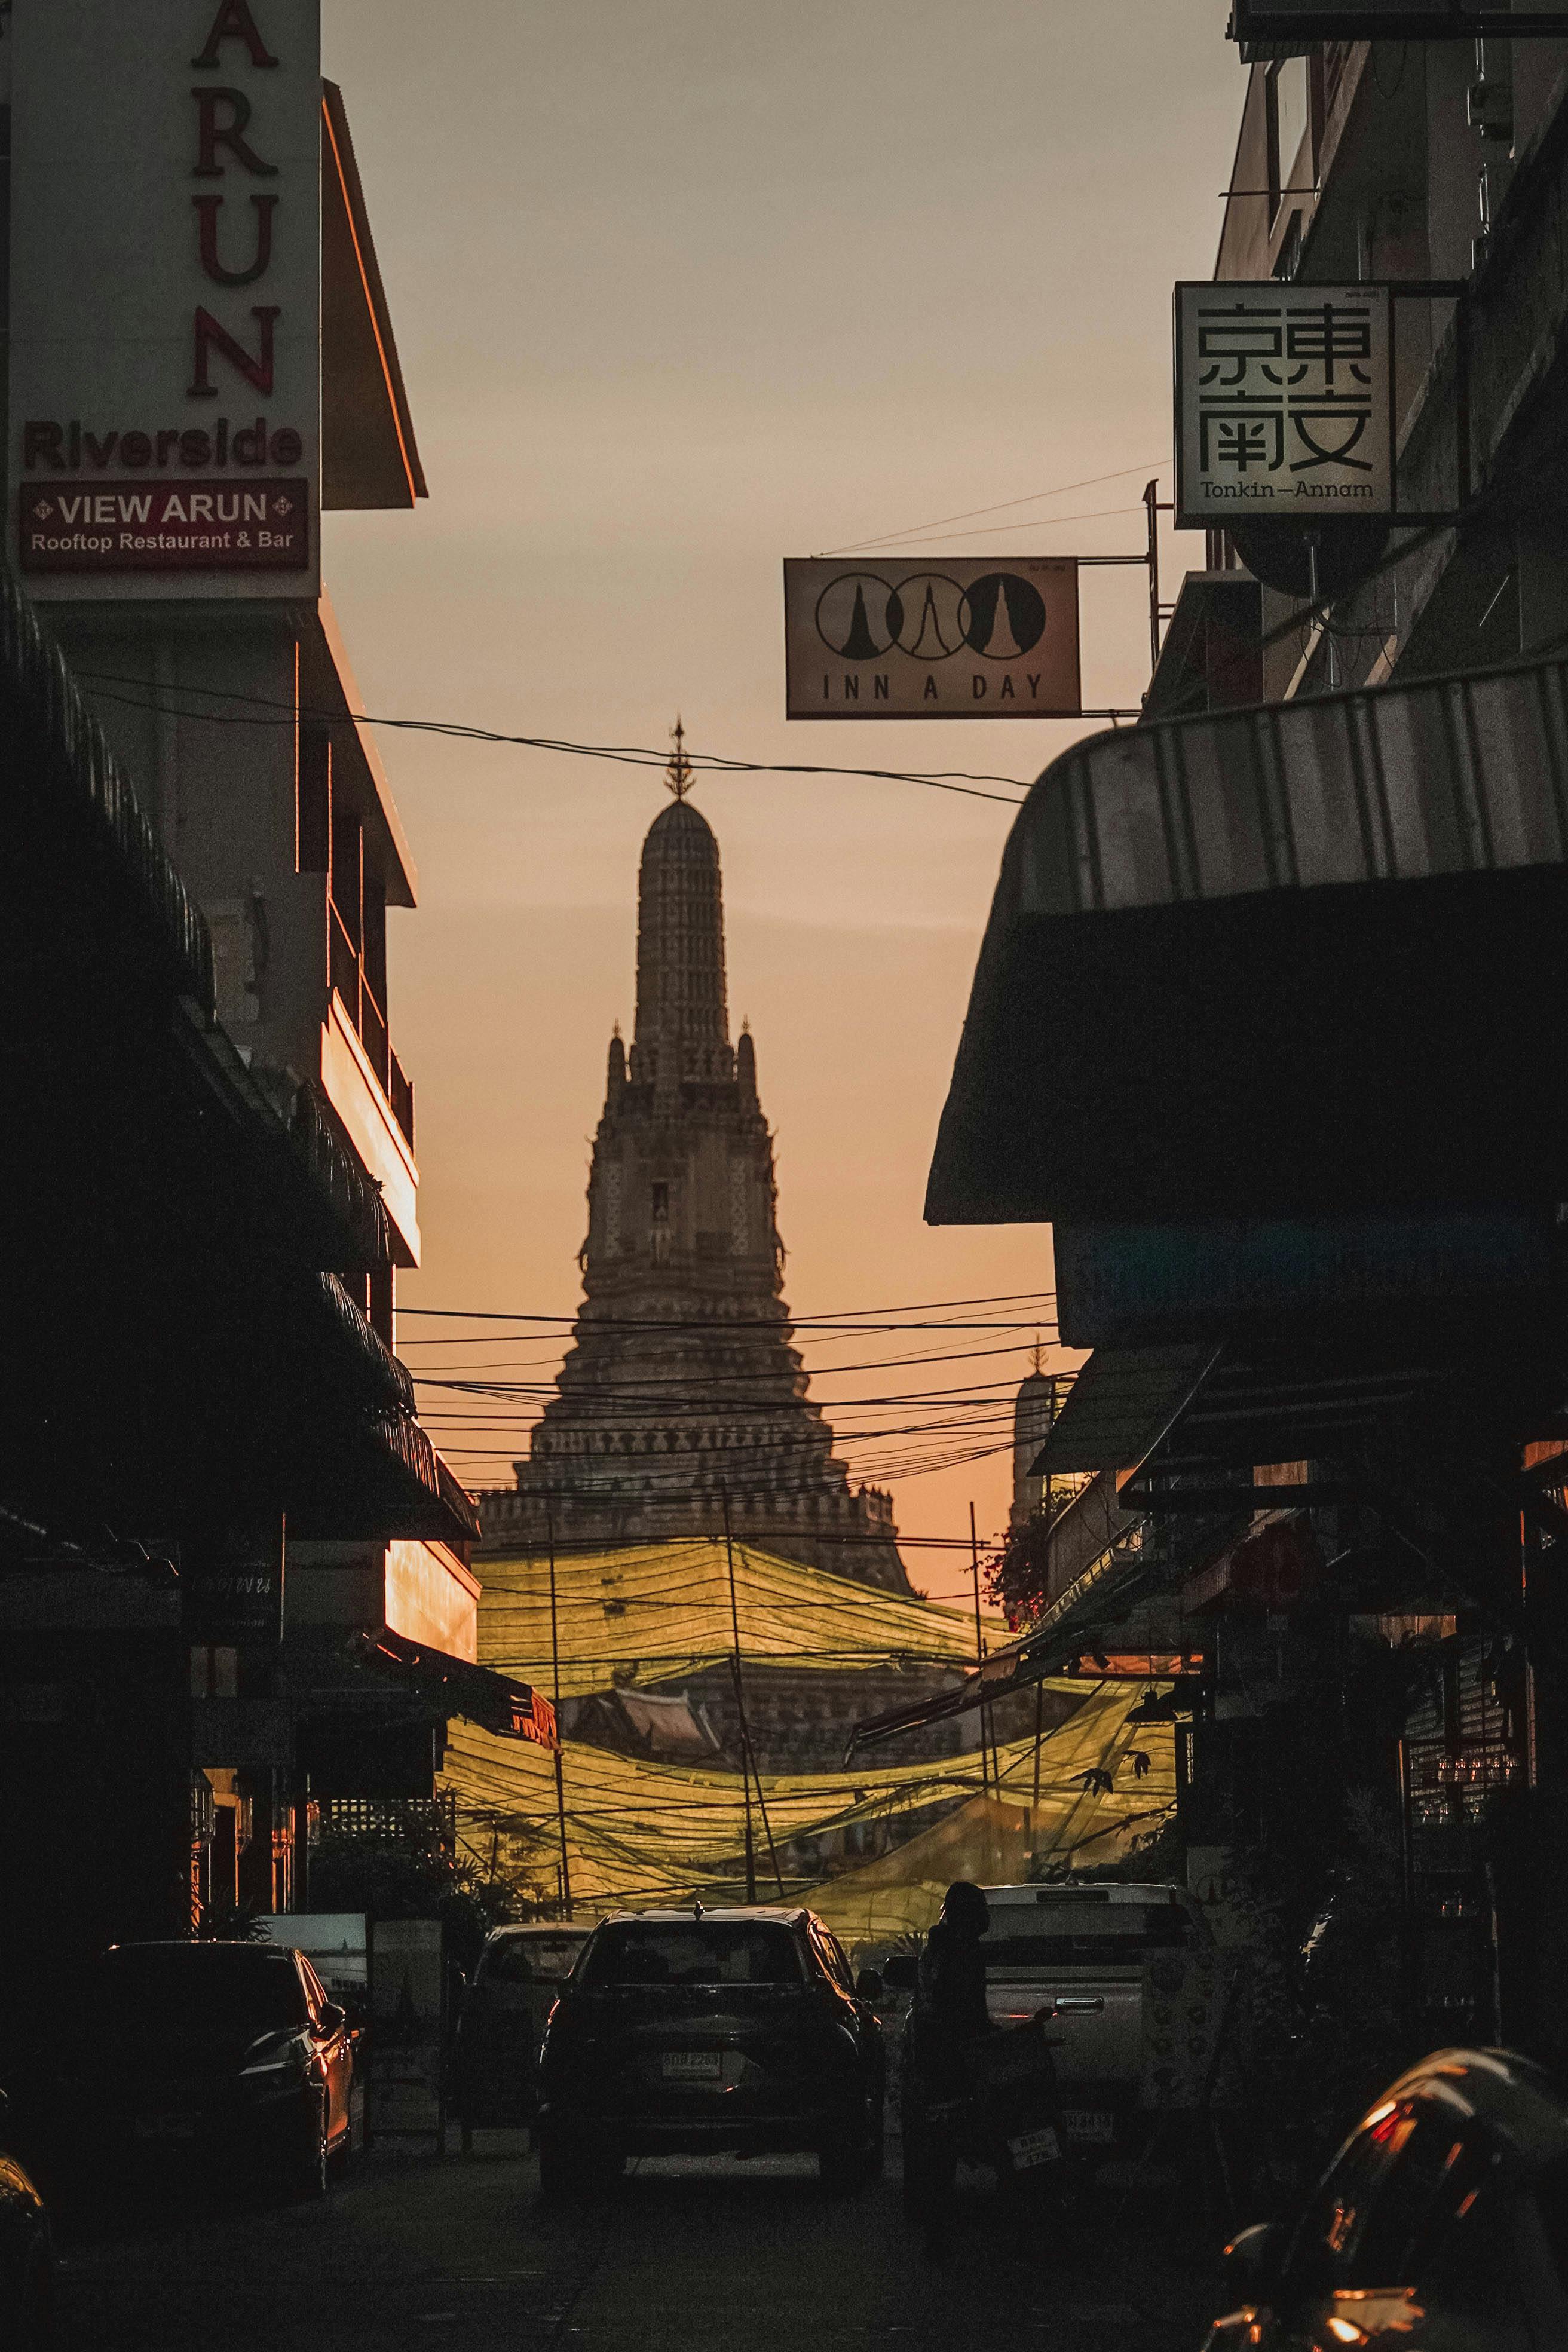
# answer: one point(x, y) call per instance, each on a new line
point(1284, 402)
point(164, 392)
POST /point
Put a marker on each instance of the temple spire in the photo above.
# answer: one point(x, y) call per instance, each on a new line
point(681, 1029)
point(678, 775)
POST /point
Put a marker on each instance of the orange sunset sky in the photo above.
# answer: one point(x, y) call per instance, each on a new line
point(683, 286)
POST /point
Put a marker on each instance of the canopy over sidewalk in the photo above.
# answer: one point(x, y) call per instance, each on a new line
point(1212, 937)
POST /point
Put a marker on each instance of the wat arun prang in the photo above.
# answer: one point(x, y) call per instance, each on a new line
point(680, 1392)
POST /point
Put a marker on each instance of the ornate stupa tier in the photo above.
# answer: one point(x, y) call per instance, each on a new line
point(681, 1395)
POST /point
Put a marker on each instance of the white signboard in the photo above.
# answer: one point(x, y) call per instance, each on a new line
point(403, 2090)
point(1284, 402)
point(165, 298)
point(333, 1941)
point(932, 637)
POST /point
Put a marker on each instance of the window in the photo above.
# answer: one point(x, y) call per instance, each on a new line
point(529, 1959)
point(215, 1671)
point(1078, 1935)
point(1288, 101)
point(701, 1952)
point(661, 1204)
point(177, 1996)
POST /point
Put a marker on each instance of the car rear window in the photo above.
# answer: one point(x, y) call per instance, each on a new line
point(529, 1959)
point(1085, 1934)
point(193, 1991)
point(703, 1952)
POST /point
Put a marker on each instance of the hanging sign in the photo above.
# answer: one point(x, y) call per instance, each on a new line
point(958, 637)
point(1274, 22)
point(1284, 402)
point(164, 354)
point(232, 1590)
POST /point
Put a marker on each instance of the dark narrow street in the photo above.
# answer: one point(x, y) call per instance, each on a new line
point(417, 2251)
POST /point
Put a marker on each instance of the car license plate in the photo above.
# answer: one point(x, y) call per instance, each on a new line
point(1034, 2148)
point(1092, 2126)
point(693, 2066)
point(165, 2127)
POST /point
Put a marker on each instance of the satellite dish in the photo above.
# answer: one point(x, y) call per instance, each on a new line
point(1279, 553)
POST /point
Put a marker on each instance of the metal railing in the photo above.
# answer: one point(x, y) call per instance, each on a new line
point(350, 983)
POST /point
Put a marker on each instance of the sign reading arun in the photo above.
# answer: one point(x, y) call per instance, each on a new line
point(681, 1401)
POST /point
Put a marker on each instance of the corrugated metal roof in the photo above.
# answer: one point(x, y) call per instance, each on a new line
point(1447, 776)
point(1211, 936)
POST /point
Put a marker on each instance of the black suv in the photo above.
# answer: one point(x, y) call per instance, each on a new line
point(706, 2032)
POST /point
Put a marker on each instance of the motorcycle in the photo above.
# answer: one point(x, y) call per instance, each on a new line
point(1001, 2112)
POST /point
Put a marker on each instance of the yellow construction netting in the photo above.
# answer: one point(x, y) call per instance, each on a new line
point(654, 1610)
point(639, 1832)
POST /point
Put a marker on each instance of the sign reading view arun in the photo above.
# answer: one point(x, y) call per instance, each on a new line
point(680, 1393)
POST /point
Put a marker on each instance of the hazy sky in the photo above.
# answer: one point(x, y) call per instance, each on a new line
point(683, 286)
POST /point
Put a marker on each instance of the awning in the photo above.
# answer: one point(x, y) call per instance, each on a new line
point(1121, 1405)
point(1093, 1544)
point(1213, 939)
point(477, 1692)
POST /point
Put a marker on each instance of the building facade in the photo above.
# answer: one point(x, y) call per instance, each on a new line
point(232, 1547)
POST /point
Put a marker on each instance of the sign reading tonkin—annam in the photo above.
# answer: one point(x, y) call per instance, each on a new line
point(923, 637)
point(1284, 402)
point(165, 298)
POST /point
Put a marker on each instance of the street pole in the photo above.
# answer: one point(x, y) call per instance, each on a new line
point(740, 1704)
point(555, 1693)
point(1040, 1726)
point(979, 1642)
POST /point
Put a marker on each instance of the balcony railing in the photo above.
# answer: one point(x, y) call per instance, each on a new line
point(350, 981)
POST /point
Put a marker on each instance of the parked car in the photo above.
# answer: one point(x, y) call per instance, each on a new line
point(1443, 2222)
point(495, 2054)
point(1086, 1947)
point(701, 2032)
point(26, 2253)
point(225, 2053)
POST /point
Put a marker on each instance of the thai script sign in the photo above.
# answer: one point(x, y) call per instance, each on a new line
point(957, 637)
point(1284, 402)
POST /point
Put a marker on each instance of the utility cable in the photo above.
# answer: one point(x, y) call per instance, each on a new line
point(1031, 497)
point(708, 764)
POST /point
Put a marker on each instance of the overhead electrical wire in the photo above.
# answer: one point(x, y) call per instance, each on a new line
point(144, 697)
point(852, 1317)
point(1030, 498)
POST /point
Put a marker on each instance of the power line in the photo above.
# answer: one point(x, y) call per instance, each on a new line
point(710, 763)
point(848, 1315)
point(1050, 523)
point(1031, 497)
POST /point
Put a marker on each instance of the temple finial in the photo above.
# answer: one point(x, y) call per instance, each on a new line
point(678, 775)
point(1037, 1351)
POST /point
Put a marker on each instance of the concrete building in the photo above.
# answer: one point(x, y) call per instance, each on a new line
point(681, 1397)
point(1413, 163)
point(199, 362)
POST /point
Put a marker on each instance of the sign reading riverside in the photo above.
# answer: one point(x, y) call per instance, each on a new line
point(1284, 402)
point(165, 298)
point(165, 527)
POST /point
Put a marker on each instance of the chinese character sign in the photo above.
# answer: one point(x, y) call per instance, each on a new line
point(1284, 402)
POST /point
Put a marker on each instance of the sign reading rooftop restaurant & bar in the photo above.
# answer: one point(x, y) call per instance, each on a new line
point(923, 637)
point(1304, 21)
point(208, 526)
point(164, 392)
point(1284, 402)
